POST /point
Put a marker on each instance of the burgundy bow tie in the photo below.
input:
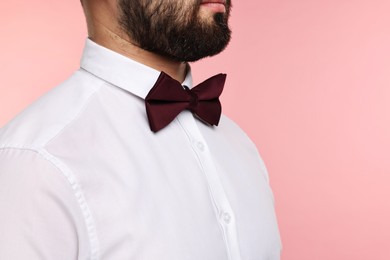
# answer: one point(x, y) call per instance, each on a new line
point(168, 98)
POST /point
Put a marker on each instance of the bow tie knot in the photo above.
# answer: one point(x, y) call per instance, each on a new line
point(194, 100)
point(168, 98)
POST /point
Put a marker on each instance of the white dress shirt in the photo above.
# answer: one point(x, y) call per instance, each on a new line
point(82, 176)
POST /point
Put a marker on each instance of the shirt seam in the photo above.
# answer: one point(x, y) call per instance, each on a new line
point(77, 192)
point(76, 115)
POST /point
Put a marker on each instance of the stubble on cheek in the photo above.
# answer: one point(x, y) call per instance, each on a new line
point(174, 12)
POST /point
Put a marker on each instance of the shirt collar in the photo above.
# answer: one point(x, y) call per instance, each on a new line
point(121, 71)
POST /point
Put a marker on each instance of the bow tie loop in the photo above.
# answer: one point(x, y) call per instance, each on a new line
point(168, 98)
point(194, 100)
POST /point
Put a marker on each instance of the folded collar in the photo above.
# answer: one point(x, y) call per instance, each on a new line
point(121, 71)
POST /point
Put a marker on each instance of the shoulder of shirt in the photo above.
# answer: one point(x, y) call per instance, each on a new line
point(23, 143)
point(229, 125)
point(235, 133)
point(48, 116)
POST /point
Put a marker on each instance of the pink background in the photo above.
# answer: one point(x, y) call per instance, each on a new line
point(308, 80)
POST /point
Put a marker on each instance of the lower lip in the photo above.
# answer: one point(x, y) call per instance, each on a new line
point(215, 7)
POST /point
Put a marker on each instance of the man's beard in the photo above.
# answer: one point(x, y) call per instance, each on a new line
point(175, 28)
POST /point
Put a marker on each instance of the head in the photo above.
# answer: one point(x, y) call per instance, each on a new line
point(182, 30)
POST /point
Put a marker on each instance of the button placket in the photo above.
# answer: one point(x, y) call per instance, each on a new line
point(224, 213)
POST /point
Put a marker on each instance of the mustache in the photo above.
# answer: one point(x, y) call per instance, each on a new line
point(195, 5)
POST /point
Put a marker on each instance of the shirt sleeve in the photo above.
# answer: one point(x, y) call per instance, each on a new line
point(39, 214)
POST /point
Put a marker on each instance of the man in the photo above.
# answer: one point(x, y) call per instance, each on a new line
point(124, 159)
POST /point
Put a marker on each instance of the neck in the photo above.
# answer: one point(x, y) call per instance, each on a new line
point(120, 43)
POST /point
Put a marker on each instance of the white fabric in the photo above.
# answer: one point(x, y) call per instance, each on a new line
point(82, 176)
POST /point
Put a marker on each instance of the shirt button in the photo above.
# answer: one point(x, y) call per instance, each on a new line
point(200, 146)
point(226, 217)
